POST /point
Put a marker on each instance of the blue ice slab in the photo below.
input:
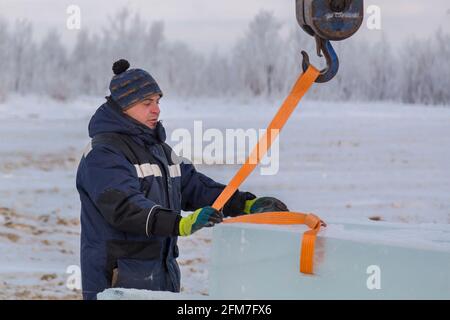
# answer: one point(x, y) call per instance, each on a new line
point(135, 294)
point(353, 260)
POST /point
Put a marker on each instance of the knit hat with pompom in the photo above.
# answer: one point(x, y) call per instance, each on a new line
point(129, 86)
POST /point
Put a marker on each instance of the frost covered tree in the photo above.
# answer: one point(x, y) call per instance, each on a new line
point(153, 46)
point(264, 62)
point(218, 76)
point(441, 68)
point(51, 67)
point(86, 66)
point(383, 77)
point(258, 55)
point(5, 58)
point(23, 56)
point(180, 70)
point(425, 70)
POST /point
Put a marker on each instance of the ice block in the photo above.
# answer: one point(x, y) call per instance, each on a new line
point(353, 260)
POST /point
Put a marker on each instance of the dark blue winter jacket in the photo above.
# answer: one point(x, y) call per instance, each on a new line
point(132, 189)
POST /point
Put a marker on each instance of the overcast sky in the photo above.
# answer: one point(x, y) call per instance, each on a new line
point(209, 24)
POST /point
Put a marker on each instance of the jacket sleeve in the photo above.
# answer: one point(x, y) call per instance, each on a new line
point(198, 190)
point(112, 183)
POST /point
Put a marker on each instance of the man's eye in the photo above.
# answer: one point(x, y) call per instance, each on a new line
point(150, 102)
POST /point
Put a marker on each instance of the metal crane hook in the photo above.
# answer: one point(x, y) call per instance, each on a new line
point(325, 47)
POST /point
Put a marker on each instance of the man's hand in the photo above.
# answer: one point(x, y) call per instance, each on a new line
point(264, 204)
point(203, 217)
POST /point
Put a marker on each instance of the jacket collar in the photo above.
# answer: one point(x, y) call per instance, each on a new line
point(109, 117)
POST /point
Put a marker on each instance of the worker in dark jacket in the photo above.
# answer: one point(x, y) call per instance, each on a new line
point(132, 189)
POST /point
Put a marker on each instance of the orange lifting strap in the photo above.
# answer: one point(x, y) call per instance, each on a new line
point(302, 85)
point(289, 218)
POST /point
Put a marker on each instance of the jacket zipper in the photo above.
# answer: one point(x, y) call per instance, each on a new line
point(165, 176)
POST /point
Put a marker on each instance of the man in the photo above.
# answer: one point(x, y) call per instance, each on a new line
point(132, 189)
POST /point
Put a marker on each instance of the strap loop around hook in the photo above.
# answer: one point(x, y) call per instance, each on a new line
point(331, 58)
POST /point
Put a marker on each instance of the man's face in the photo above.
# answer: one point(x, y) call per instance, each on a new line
point(146, 111)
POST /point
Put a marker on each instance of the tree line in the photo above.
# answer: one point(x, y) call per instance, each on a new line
point(262, 63)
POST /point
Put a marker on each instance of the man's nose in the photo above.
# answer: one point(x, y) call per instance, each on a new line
point(155, 108)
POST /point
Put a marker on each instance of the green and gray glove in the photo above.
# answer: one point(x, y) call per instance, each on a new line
point(264, 204)
point(203, 217)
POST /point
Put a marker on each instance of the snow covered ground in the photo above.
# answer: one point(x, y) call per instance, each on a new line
point(355, 161)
